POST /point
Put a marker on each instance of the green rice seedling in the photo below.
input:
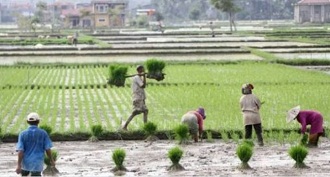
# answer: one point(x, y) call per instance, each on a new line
point(248, 142)
point(304, 140)
point(298, 154)
point(182, 133)
point(47, 128)
point(150, 130)
point(97, 131)
point(50, 170)
point(235, 136)
point(244, 152)
point(209, 137)
point(175, 155)
point(155, 69)
point(117, 75)
point(224, 135)
point(118, 157)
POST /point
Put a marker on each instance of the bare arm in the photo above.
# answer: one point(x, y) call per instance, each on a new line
point(144, 81)
point(19, 162)
point(49, 154)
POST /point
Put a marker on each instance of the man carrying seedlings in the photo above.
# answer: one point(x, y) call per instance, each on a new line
point(139, 96)
point(250, 106)
point(194, 121)
point(31, 147)
point(308, 117)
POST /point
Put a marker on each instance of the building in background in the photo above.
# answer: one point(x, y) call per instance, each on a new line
point(109, 13)
point(314, 11)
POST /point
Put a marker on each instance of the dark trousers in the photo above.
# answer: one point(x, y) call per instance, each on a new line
point(33, 173)
point(258, 130)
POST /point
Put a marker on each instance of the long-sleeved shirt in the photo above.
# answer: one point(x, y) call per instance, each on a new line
point(312, 118)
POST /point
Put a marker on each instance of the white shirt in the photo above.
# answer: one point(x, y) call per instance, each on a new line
point(138, 91)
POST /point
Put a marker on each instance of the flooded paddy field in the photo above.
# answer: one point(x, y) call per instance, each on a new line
point(199, 159)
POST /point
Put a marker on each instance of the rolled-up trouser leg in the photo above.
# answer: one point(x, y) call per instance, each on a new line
point(248, 131)
point(258, 129)
point(313, 139)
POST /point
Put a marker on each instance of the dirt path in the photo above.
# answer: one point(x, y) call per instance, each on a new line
point(201, 159)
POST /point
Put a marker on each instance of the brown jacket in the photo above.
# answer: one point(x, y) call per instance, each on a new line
point(250, 105)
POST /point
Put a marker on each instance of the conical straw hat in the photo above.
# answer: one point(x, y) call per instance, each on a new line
point(292, 113)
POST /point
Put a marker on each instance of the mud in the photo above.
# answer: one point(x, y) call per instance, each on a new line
point(199, 159)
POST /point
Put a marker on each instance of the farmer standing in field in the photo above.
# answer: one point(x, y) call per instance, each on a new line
point(31, 147)
point(194, 121)
point(250, 106)
point(308, 117)
point(139, 96)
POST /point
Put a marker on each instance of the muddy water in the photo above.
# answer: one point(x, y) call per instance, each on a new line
point(201, 159)
point(325, 55)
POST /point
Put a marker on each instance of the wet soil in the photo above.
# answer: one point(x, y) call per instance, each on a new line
point(200, 159)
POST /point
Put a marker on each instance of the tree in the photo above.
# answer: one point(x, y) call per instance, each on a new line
point(229, 7)
point(39, 14)
point(194, 14)
point(158, 16)
point(115, 14)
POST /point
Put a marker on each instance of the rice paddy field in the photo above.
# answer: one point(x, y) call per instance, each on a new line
point(72, 98)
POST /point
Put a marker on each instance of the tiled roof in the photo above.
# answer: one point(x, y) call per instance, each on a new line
point(313, 2)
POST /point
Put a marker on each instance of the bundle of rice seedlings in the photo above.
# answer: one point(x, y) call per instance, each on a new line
point(244, 152)
point(304, 140)
point(298, 153)
point(155, 69)
point(182, 133)
point(175, 155)
point(118, 157)
point(117, 75)
point(50, 170)
point(97, 131)
point(248, 142)
point(47, 128)
point(150, 130)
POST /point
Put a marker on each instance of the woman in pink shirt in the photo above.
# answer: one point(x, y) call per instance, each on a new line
point(308, 117)
point(194, 121)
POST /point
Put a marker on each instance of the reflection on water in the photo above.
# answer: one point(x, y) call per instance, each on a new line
point(325, 56)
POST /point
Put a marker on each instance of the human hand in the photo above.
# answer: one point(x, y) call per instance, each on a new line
point(19, 169)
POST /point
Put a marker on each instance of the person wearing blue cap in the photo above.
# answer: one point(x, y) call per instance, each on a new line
point(194, 121)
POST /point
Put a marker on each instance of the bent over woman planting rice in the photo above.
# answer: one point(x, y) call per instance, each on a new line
point(308, 117)
point(250, 105)
point(194, 120)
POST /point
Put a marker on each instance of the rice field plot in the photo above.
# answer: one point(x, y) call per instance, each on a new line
point(81, 102)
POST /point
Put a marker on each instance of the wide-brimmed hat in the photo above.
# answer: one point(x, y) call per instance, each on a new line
point(292, 114)
point(32, 117)
point(201, 111)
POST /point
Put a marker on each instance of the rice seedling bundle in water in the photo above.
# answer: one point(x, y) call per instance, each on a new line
point(248, 142)
point(50, 170)
point(47, 128)
point(175, 155)
point(117, 75)
point(244, 152)
point(298, 154)
point(155, 69)
point(118, 157)
point(182, 133)
point(97, 131)
point(150, 130)
point(209, 137)
point(304, 140)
